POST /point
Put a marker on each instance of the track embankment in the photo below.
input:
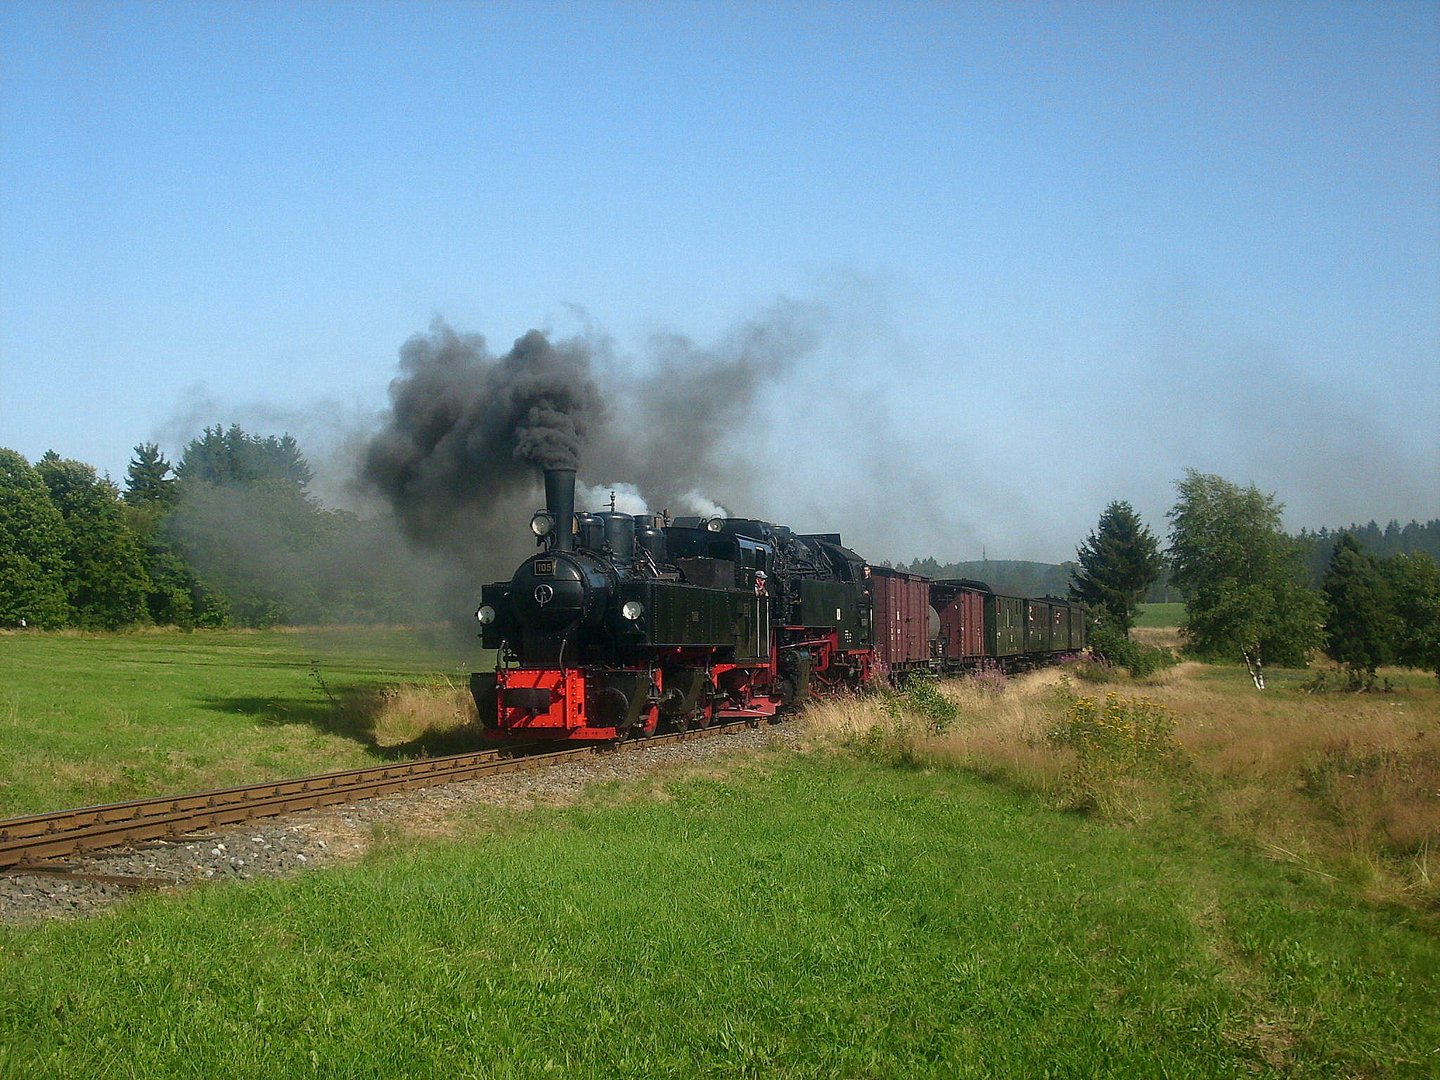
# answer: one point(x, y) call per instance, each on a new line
point(71, 862)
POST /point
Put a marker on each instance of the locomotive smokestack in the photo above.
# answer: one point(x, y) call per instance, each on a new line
point(560, 502)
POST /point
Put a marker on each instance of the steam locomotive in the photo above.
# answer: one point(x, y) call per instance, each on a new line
point(623, 626)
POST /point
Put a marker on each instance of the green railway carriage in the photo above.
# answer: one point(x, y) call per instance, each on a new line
point(1004, 625)
point(1022, 630)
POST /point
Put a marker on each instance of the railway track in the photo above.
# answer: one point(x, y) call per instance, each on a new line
point(25, 842)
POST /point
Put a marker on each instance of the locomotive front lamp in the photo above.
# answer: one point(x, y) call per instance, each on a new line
point(486, 615)
point(542, 523)
point(715, 524)
point(632, 610)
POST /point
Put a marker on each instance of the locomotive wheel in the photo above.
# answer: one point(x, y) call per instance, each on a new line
point(704, 716)
point(785, 691)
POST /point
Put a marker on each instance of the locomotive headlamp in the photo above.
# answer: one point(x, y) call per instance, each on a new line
point(486, 615)
point(632, 609)
point(715, 524)
point(542, 523)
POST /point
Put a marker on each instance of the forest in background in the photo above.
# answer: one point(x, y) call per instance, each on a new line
point(1316, 547)
point(230, 535)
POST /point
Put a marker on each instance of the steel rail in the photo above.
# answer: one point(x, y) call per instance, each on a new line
point(69, 832)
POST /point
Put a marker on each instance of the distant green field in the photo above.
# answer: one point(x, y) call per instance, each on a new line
point(1159, 615)
point(88, 718)
point(815, 916)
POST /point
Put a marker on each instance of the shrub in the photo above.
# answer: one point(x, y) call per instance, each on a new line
point(1092, 668)
point(1347, 679)
point(1115, 745)
point(1142, 661)
point(908, 715)
point(923, 695)
point(1130, 733)
point(990, 677)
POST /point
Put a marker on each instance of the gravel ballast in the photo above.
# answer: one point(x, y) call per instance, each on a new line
point(311, 839)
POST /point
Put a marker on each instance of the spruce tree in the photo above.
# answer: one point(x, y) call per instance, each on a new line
point(146, 480)
point(1360, 624)
point(1117, 565)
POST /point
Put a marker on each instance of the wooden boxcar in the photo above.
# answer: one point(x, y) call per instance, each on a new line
point(960, 605)
point(901, 618)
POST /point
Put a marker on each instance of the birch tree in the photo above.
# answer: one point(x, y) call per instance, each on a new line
point(1243, 577)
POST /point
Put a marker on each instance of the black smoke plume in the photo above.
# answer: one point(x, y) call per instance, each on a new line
point(459, 454)
point(467, 430)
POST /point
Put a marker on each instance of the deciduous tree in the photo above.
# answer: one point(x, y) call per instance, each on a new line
point(105, 580)
point(1415, 586)
point(33, 541)
point(1242, 576)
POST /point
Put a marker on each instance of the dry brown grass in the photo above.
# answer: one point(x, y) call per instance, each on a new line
point(412, 718)
point(1160, 637)
point(1001, 735)
point(1343, 785)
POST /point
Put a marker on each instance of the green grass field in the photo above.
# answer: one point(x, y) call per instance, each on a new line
point(107, 717)
point(807, 915)
point(1160, 615)
point(863, 908)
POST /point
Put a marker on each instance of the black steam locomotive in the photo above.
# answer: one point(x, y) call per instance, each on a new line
point(625, 625)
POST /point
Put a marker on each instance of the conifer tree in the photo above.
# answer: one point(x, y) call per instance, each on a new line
point(1117, 565)
point(226, 456)
point(1360, 624)
point(146, 480)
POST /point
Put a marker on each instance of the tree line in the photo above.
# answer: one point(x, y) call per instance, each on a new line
point(1250, 593)
point(1394, 539)
point(1013, 576)
point(231, 536)
point(228, 536)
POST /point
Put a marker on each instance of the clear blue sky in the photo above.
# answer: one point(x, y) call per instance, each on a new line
point(1065, 251)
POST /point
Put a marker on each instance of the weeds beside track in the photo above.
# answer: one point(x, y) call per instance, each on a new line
point(43, 836)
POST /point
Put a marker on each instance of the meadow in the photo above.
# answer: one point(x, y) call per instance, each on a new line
point(1344, 786)
point(811, 914)
point(1160, 615)
point(93, 718)
point(1067, 873)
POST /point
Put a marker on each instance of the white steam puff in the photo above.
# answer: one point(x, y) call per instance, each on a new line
point(628, 499)
point(696, 502)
